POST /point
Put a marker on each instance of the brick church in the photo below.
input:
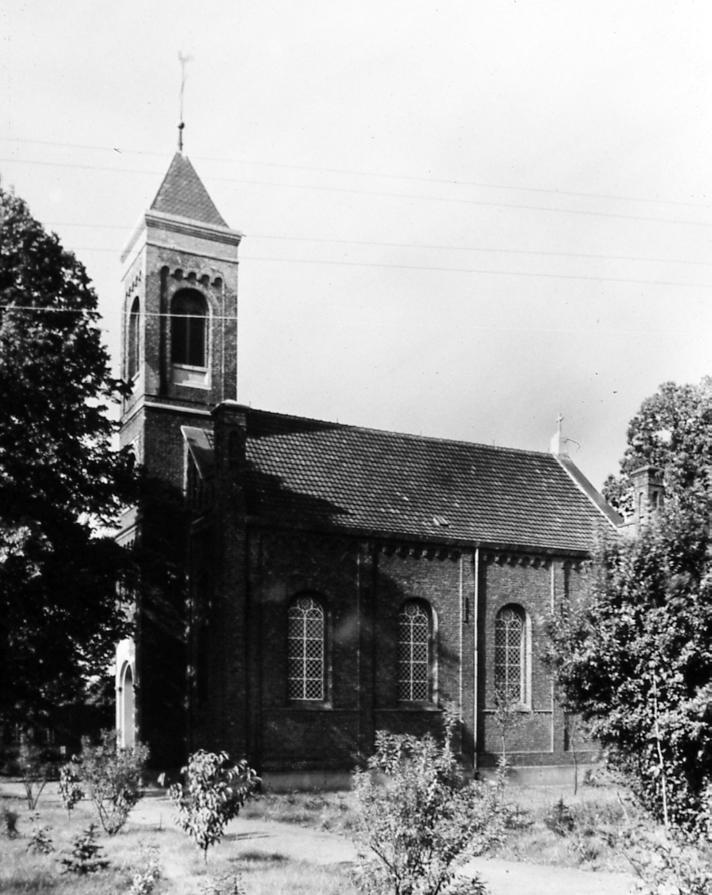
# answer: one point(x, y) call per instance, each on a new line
point(306, 582)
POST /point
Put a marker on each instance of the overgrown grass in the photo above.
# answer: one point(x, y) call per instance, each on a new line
point(591, 839)
point(331, 812)
point(183, 871)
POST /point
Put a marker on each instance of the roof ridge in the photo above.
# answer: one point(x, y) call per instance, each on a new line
point(410, 435)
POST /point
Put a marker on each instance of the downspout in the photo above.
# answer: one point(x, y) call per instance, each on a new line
point(462, 637)
point(476, 662)
point(553, 701)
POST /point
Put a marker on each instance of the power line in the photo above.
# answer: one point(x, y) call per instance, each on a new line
point(379, 193)
point(470, 270)
point(359, 173)
point(411, 245)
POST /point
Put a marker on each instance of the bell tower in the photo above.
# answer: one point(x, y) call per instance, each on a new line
point(179, 352)
point(179, 331)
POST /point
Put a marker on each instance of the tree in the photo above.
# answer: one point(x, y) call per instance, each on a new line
point(212, 795)
point(634, 658)
point(60, 476)
point(673, 432)
point(419, 819)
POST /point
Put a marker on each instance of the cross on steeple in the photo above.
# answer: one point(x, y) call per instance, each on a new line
point(183, 59)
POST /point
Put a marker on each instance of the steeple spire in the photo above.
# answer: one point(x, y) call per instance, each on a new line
point(183, 59)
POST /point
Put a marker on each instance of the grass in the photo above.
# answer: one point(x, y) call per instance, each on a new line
point(331, 812)
point(183, 871)
point(590, 840)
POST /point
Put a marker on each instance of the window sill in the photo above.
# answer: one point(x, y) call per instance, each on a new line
point(309, 705)
point(190, 377)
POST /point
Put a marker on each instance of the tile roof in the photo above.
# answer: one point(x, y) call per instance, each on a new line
point(182, 194)
point(328, 476)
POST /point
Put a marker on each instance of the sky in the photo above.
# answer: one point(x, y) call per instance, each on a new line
point(461, 219)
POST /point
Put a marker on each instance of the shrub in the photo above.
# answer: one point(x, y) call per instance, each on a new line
point(669, 865)
point(560, 818)
point(70, 790)
point(8, 819)
point(111, 777)
point(144, 880)
point(228, 885)
point(213, 793)
point(40, 841)
point(419, 818)
point(86, 854)
point(34, 770)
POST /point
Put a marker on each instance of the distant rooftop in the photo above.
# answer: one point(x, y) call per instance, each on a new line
point(182, 194)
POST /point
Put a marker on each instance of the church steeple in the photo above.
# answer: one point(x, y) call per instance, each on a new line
point(180, 308)
point(182, 194)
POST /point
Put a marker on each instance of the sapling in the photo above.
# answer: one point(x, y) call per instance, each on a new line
point(213, 792)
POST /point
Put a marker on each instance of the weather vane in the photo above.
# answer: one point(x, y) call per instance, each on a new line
point(183, 58)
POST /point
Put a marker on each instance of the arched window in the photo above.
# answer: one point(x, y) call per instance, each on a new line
point(510, 654)
point(306, 632)
point(133, 344)
point(188, 329)
point(414, 652)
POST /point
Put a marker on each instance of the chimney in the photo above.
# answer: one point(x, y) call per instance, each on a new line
point(648, 494)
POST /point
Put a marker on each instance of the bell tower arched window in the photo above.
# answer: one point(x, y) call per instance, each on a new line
point(189, 315)
point(133, 341)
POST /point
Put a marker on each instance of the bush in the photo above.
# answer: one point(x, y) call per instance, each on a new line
point(40, 841)
point(228, 885)
point(669, 865)
point(560, 818)
point(8, 821)
point(213, 793)
point(111, 778)
point(70, 790)
point(419, 818)
point(144, 880)
point(34, 770)
point(86, 854)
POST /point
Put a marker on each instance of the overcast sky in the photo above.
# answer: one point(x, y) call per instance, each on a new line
point(460, 218)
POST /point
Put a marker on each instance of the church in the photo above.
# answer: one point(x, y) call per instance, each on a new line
point(307, 583)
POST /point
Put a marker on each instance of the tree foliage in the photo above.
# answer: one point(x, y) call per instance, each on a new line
point(634, 657)
point(419, 819)
point(110, 776)
point(60, 476)
point(673, 432)
point(213, 793)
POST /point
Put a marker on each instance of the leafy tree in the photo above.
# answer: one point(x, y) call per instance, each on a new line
point(213, 794)
point(60, 476)
point(634, 657)
point(111, 778)
point(673, 432)
point(418, 817)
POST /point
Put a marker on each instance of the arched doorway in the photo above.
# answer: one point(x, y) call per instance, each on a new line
point(127, 732)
